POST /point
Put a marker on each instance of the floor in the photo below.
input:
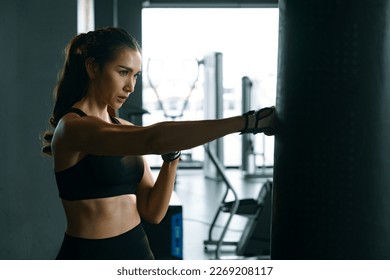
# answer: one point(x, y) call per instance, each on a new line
point(200, 198)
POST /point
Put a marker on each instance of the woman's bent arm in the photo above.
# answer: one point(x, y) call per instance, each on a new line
point(153, 197)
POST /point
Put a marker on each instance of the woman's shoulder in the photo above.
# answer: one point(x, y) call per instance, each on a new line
point(123, 121)
point(75, 125)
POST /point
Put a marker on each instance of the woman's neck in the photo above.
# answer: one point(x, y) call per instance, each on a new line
point(92, 108)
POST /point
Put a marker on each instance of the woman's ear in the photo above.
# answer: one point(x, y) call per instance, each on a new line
point(92, 67)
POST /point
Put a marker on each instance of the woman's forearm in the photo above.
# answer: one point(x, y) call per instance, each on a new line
point(182, 135)
point(159, 195)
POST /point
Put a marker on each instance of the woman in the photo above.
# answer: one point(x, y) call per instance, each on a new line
point(105, 185)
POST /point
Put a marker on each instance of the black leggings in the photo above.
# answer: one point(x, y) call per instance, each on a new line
point(131, 245)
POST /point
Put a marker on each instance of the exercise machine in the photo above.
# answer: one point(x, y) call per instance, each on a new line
point(255, 240)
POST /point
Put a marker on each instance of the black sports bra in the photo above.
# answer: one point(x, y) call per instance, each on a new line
point(100, 176)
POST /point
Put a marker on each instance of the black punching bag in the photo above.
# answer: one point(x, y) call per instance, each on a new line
point(331, 195)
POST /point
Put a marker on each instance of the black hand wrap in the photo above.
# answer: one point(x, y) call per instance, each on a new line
point(171, 156)
point(252, 119)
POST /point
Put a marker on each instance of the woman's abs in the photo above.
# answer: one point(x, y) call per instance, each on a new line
point(101, 218)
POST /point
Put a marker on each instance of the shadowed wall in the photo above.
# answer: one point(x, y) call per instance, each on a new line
point(33, 35)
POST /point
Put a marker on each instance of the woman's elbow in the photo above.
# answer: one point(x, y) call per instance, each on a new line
point(153, 219)
point(151, 216)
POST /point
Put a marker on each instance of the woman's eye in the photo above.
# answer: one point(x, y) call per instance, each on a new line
point(123, 73)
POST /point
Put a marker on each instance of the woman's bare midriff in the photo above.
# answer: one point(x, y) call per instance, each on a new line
point(102, 217)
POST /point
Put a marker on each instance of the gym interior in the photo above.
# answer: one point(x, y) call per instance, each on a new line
point(318, 189)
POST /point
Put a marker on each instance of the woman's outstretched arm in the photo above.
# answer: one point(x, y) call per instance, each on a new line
point(94, 136)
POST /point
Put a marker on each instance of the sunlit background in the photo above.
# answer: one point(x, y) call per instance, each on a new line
point(248, 41)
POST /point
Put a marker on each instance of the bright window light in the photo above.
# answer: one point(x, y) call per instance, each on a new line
point(85, 16)
point(248, 40)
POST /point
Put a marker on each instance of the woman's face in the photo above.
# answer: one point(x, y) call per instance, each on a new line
point(117, 79)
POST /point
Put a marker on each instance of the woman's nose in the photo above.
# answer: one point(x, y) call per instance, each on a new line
point(129, 88)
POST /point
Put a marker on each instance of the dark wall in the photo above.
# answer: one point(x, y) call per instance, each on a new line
point(33, 35)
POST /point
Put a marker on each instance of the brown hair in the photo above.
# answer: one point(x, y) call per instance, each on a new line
point(101, 45)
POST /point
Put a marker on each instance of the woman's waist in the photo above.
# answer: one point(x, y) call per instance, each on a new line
point(101, 218)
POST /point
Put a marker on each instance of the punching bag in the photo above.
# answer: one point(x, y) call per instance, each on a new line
point(331, 195)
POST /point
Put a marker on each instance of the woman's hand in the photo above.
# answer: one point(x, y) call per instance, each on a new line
point(259, 121)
